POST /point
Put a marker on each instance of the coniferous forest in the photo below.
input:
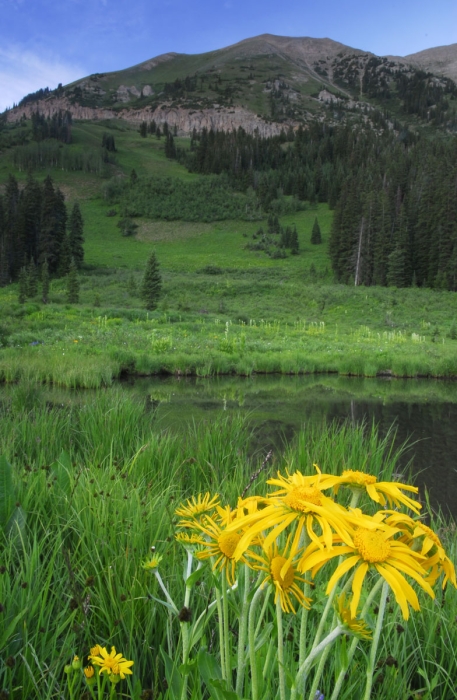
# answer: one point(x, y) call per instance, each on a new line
point(394, 194)
point(36, 230)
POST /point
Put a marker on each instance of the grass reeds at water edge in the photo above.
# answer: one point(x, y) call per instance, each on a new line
point(94, 486)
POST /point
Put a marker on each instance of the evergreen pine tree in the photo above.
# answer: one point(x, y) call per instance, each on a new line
point(22, 290)
point(151, 286)
point(396, 268)
point(32, 279)
point(73, 284)
point(294, 245)
point(316, 236)
point(45, 282)
point(76, 238)
point(143, 129)
point(131, 286)
point(65, 257)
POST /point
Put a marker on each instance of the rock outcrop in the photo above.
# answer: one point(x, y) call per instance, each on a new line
point(185, 120)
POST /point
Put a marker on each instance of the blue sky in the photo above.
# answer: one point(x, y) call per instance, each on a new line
point(44, 42)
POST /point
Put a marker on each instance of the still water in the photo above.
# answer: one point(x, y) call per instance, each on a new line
point(423, 412)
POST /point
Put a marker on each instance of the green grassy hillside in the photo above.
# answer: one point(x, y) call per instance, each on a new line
point(224, 308)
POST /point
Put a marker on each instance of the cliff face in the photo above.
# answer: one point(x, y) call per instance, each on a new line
point(185, 120)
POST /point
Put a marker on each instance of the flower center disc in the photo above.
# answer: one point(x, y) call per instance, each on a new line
point(275, 567)
point(227, 542)
point(371, 545)
point(359, 478)
point(298, 494)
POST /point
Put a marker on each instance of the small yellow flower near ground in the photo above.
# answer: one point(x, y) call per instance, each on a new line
point(89, 673)
point(112, 663)
point(198, 506)
point(153, 562)
point(358, 628)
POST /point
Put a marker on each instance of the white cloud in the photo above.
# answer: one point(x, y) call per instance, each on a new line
point(23, 71)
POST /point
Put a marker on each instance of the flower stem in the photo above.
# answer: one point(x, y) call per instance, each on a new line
point(354, 643)
point(281, 670)
point(251, 638)
point(221, 630)
point(375, 642)
point(314, 653)
point(226, 631)
point(243, 626)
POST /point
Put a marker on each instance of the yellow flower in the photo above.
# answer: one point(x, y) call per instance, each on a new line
point(153, 562)
point(95, 651)
point(421, 537)
point(89, 673)
point(199, 506)
point(189, 541)
point(373, 549)
point(299, 503)
point(281, 574)
point(220, 542)
point(381, 492)
point(358, 628)
point(112, 663)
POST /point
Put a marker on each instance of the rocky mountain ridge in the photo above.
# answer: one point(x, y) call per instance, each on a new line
point(264, 84)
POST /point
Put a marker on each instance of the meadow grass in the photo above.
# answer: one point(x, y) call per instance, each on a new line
point(96, 484)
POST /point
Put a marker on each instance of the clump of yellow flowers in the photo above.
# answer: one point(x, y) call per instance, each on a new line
point(302, 534)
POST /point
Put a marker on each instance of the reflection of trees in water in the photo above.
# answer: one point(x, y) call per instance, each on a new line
point(429, 429)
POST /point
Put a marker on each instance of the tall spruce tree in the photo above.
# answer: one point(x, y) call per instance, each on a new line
point(316, 236)
point(76, 237)
point(45, 282)
point(32, 279)
point(73, 284)
point(151, 287)
point(22, 286)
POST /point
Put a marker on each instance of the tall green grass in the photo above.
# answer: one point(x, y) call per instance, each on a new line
point(96, 484)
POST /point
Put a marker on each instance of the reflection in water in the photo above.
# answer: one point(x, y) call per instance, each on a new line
point(424, 413)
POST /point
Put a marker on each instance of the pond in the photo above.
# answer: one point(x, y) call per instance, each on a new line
point(423, 413)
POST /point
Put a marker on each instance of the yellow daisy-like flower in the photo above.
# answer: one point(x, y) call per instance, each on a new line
point(196, 507)
point(89, 671)
point(153, 562)
point(299, 504)
point(351, 624)
point(373, 549)
point(112, 663)
point(189, 541)
point(95, 651)
point(383, 492)
point(219, 542)
point(281, 574)
point(421, 537)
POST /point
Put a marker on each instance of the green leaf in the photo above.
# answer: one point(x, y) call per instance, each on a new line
point(265, 636)
point(8, 632)
point(15, 528)
point(174, 680)
point(61, 469)
point(208, 667)
point(6, 491)
point(193, 578)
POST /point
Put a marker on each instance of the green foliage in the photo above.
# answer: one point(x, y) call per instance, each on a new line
point(72, 284)
point(205, 199)
point(151, 286)
point(45, 281)
point(316, 236)
point(76, 235)
point(22, 285)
